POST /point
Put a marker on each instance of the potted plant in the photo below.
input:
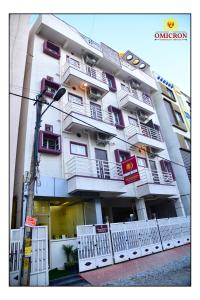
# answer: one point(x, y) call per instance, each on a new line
point(72, 259)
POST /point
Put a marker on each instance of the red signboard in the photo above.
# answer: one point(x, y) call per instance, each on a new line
point(30, 221)
point(101, 228)
point(130, 170)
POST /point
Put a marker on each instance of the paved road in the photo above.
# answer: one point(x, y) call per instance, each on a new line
point(176, 273)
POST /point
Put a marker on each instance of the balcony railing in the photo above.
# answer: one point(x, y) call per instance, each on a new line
point(92, 72)
point(145, 131)
point(90, 111)
point(135, 94)
point(149, 176)
point(94, 168)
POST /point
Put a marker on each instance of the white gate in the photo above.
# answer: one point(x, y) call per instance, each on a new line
point(94, 246)
point(134, 239)
point(15, 256)
point(39, 257)
point(129, 240)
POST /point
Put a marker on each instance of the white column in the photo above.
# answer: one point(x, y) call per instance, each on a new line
point(99, 219)
point(179, 207)
point(141, 209)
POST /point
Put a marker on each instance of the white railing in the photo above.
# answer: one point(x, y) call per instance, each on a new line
point(135, 94)
point(149, 176)
point(94, 168)
point(144, 130)
point(90, 111)
point(92, 72)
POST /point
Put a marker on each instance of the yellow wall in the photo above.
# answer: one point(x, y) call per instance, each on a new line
point(65, 218)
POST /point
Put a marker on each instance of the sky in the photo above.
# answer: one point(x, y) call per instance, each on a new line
point(135, 32)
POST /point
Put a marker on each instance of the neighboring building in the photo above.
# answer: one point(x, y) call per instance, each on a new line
point(184, 103)
point(19, 32)
point(174, 105)
point(80, 172)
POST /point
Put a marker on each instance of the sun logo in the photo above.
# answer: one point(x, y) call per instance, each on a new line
point(129, 166)
point(170, 25)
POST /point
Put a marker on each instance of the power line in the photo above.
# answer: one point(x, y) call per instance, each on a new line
point(69, 114)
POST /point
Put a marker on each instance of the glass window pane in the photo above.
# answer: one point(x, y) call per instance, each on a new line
point(78, 149)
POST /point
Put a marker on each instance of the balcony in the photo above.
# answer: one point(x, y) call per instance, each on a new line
point(155, 183)
point(94, 175)
point(77, 73)
point(144, 135)
point(89, 117)
point(131, 99)
point(147, 82)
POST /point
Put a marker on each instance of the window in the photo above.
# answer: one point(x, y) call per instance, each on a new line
point(111, 83)
point(49, 142)
point(51, 49)
point(166, 167)
point(78, 149)
point(51, 87)
point(75, 99)
point(117, 117)
point(179, 117)
point(188, 144)
point(170, 112)
point(121, 155)
point(96, 112)
point(170, 93)
point(142, 162)
point(48, 127)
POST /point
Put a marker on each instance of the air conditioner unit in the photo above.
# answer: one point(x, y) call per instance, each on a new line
point(94, 94)
point(134, 84)
point(102, 139)
point(150, 152)
point(142, 116)
point(90, 59)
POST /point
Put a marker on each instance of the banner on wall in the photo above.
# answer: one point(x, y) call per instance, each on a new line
point(130, 170)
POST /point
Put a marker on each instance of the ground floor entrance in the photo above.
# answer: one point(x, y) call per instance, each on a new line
point(63, 215)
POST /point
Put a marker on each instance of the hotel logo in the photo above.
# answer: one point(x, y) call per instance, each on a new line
point(171, 31)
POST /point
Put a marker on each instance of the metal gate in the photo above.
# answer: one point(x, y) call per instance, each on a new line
point(174, 231)
point(118, 242)
point(15, 256)
point(39, 275)
point(39, 259)
point(134, 239)
point(94, 247)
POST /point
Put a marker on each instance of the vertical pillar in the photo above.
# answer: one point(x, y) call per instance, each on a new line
point(180, 212)
point(141, 209)
point(99, 218)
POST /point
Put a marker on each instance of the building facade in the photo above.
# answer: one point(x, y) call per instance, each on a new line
point(107, 115)
point(19, 32)
point(172, 103)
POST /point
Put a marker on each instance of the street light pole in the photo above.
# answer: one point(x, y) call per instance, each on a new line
point(27, 241)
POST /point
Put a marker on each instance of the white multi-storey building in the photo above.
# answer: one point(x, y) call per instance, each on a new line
point(109, 116)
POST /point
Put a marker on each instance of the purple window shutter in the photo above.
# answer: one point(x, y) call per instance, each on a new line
point(43, 84)
point(119, 112)
point(110, 108)
point(113, 87)
point(162, 164)
point(117, 157)
point(122, 125)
